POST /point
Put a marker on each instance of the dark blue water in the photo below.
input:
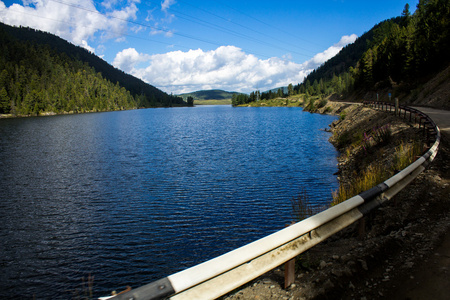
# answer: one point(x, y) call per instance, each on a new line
point(132, 196)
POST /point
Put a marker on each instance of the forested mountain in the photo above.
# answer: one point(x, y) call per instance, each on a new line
point(395, 54)
point(40, 72)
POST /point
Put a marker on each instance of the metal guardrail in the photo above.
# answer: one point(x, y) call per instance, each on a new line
point(231, 270)
point(408, 112)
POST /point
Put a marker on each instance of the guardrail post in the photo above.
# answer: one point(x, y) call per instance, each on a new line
point(289, 273)
point(289, 270)
point(396, 107)
point(361, 228)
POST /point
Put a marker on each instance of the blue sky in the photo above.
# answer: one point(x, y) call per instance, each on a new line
point(188, 45)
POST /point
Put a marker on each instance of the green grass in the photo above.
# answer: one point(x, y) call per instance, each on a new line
point(213, 102)
point(289, 102)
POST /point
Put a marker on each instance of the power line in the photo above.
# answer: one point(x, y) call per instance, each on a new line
point(235, 33)
point(251, 29)
point(195, 20)
point(156, 28)
point(269, 25)
point(92, 27)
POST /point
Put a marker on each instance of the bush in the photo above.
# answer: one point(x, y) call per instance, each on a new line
point(301, 207)
point(382, 135)
point(406, 154)
point(327, 109)
point(322, 103)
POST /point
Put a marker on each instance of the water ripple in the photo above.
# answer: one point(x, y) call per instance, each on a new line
point(133, 196)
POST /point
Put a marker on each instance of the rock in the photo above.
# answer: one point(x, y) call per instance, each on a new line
point(336, 272)
point(363, 264)
point(346, 271)
point(345, 258)
point(328, 285)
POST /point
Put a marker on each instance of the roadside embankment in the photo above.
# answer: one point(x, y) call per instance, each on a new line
point(400, 237)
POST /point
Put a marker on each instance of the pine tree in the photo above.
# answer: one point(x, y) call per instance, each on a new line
point(5, 105)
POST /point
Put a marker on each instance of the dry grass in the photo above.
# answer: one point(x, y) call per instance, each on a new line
point(404, 155)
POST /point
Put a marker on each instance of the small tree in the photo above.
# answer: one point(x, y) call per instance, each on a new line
point(190, 101)
point(290, 89)
point(406, 12)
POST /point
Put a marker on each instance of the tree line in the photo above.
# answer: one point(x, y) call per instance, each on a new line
point(240, 99)
point(41, 73)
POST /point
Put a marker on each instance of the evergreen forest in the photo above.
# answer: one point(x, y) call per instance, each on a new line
point(42, 73)
point(396, 54)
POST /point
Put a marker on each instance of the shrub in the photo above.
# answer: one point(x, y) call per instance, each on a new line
point(311, 104)
point(322, 103)
point(382, 135)
point(301, 207)
point(366, 143)
point(327, 109)
point(406, 154)
point(379, 136)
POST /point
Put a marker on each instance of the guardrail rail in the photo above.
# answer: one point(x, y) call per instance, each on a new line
point(231, 270)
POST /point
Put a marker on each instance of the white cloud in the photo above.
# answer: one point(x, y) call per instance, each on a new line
point(165, 5)
point(127, 59)
point(322, 57)
point(226, 67)
point(69, 22)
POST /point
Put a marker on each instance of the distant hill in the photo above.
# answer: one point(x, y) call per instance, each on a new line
point(209, 95)
point(43, 73)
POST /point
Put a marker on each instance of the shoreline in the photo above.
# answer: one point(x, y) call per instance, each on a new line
point(400, 236)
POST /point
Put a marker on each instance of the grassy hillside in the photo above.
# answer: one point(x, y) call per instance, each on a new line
point(213, 102)
point(209, 95)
